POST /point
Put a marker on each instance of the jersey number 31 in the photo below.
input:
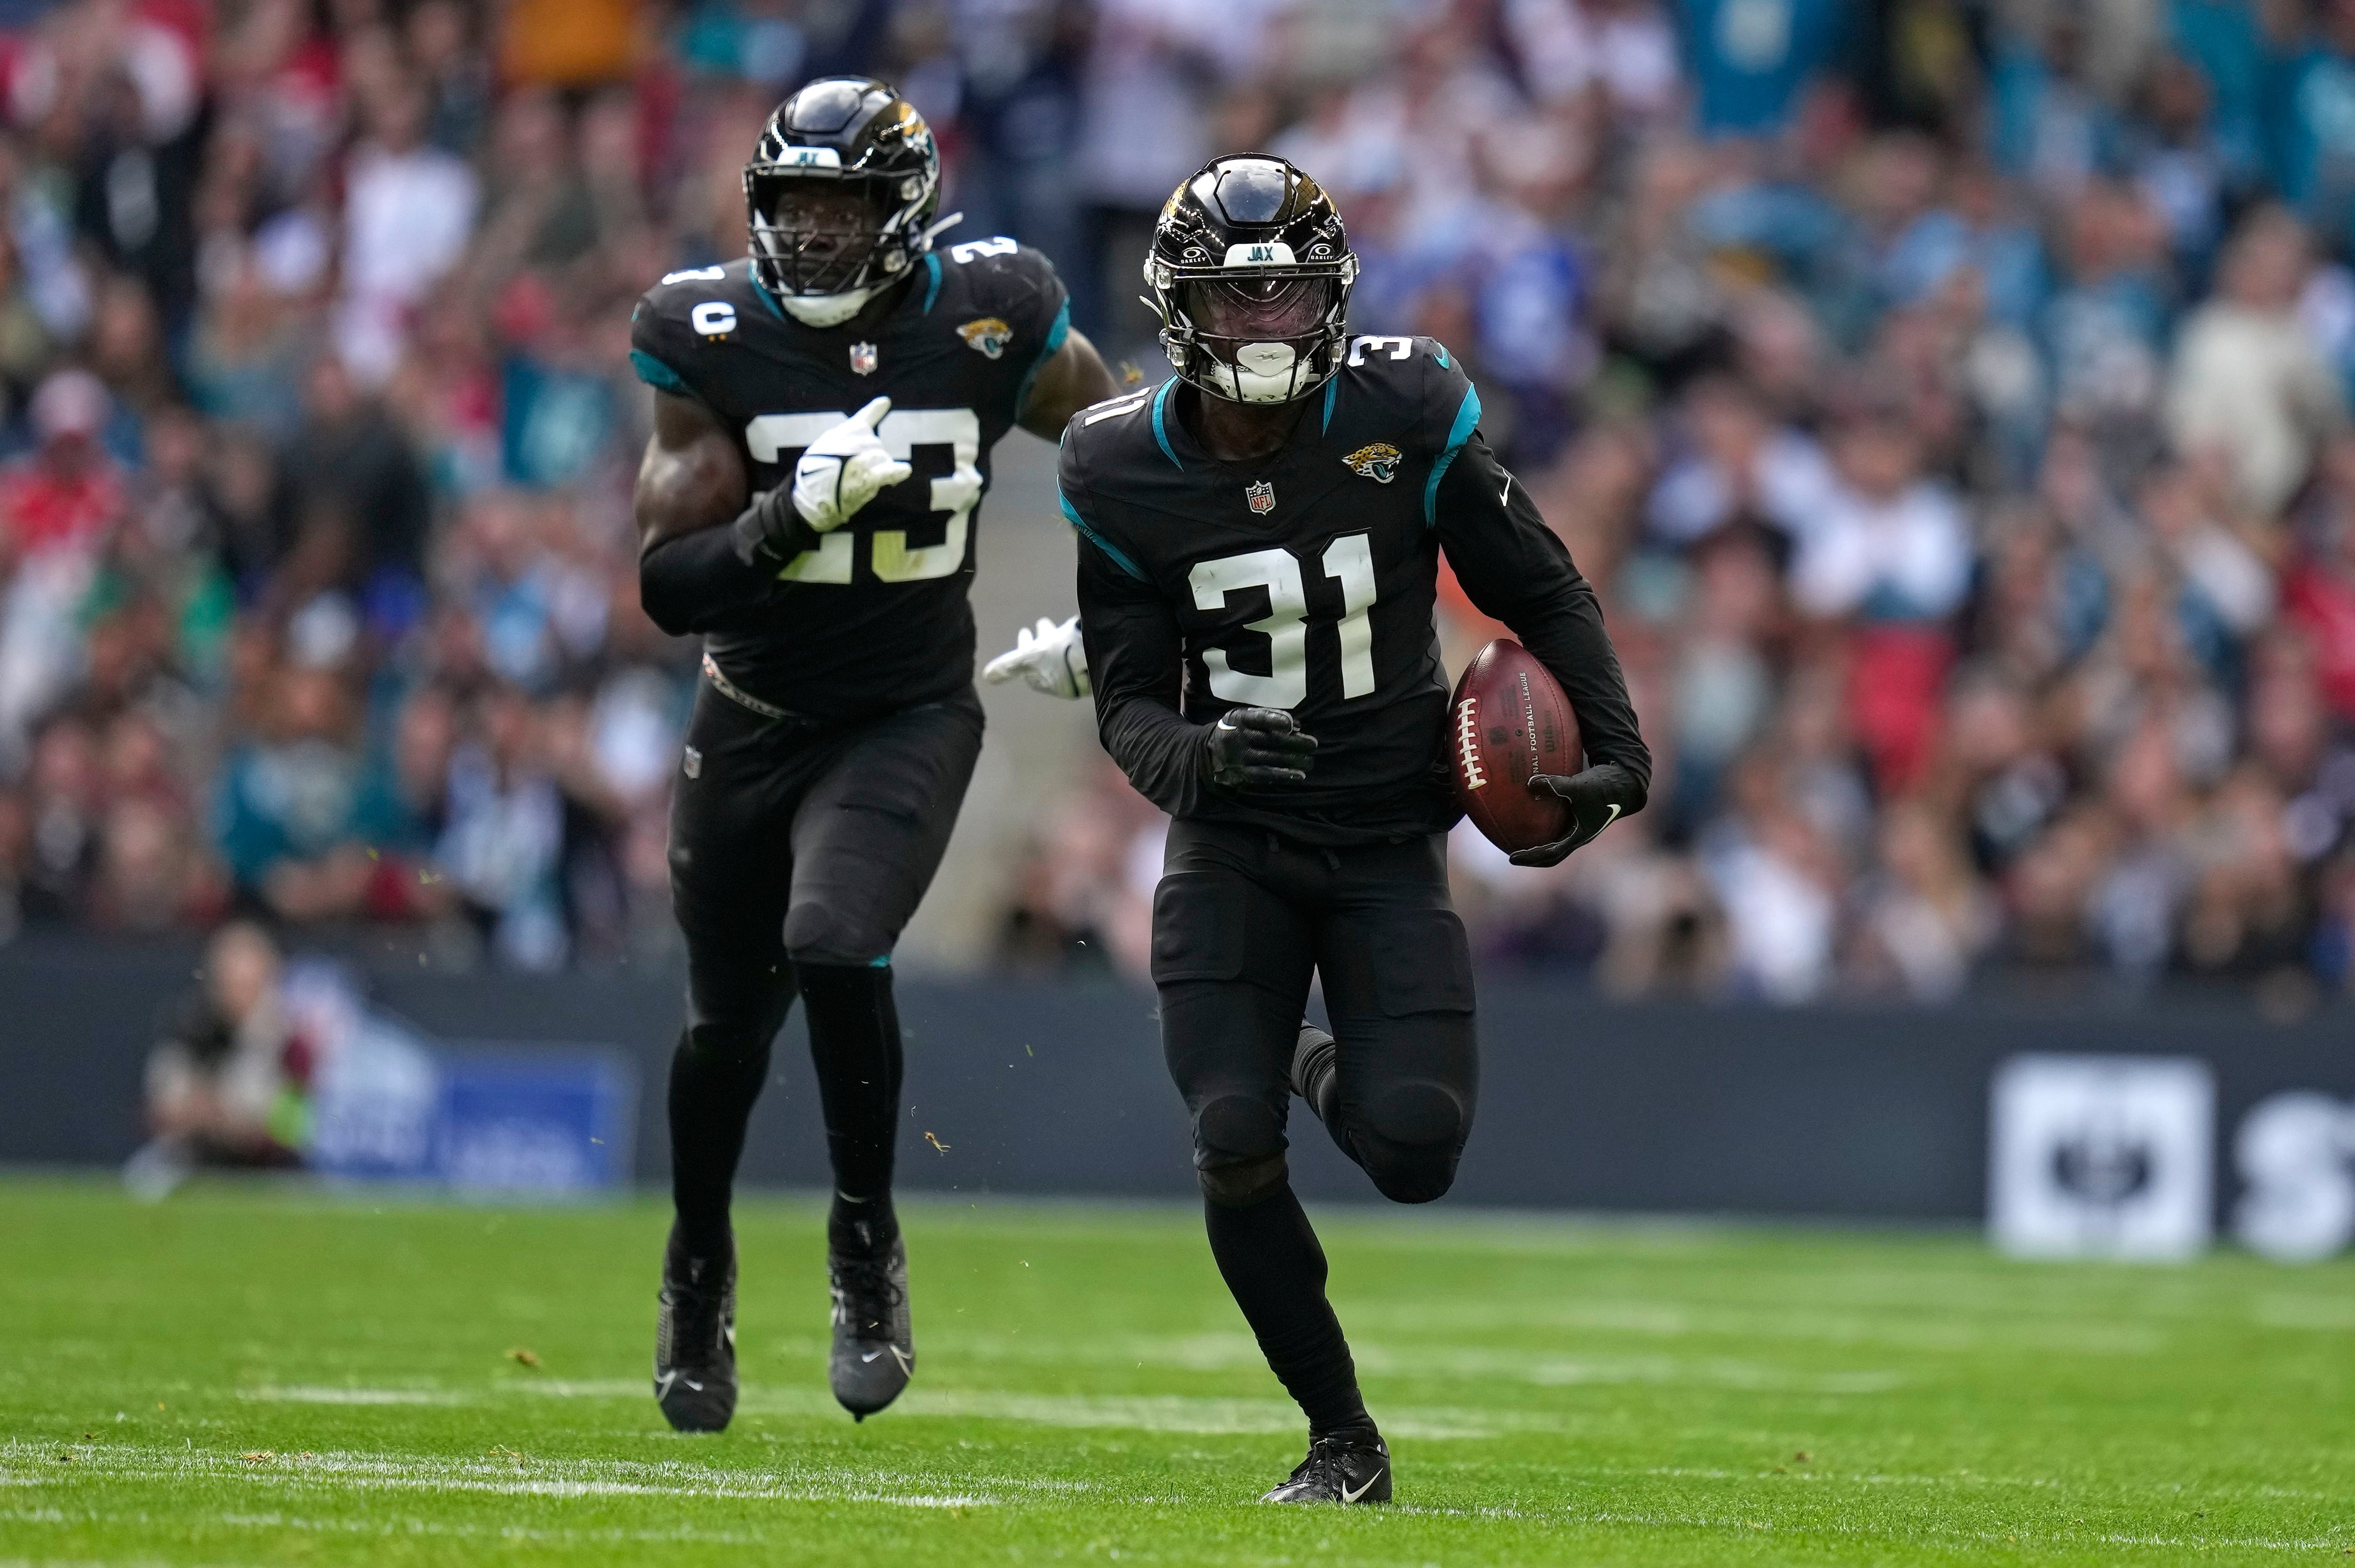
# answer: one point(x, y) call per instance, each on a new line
point(1349, 559)
point(779, 437)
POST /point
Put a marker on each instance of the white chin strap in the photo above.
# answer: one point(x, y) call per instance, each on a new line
point(827, 310)
point(1261, 373)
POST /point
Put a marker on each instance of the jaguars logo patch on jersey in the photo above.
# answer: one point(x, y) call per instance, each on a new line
point(989, 335)
point(1376, 461)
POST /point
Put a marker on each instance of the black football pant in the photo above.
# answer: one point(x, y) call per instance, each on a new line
point(798, 853)
point(1242, 920)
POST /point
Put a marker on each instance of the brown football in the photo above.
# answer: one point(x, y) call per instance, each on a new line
point(1508, 720)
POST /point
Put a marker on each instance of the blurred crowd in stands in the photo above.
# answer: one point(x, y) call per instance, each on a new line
point(1949, 399)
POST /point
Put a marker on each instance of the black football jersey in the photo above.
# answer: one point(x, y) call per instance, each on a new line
point(877, 616)
point(1307, 581)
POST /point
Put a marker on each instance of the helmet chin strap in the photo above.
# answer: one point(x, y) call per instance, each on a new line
point(827, 310)
point(923, 241)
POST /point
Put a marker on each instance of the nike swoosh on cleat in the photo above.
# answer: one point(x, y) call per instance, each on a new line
point(1349, 1497)
point(871, 1355)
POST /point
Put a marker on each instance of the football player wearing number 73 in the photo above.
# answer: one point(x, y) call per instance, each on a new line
point(1259, 548)
point(824, 410)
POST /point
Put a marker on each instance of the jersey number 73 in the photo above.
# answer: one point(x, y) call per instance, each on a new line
point(779, 437)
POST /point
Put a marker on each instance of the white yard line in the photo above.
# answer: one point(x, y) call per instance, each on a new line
point(306, 1393)
point(333, 1472)
point(330, 1474)
point(1143, 1413)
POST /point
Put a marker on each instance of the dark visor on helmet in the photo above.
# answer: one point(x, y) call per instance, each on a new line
point(1257, 307)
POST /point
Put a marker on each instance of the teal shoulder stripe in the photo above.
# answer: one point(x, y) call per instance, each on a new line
point(932, 289)
point(766, 298)
point(1079, 525)
point(654, 373)
point(1056, 335)
point(1467, 417)
point(1161, 431)
point(1332, 387)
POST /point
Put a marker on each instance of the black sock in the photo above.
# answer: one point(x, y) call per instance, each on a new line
point(863, 1226)
point(711, 1095)
point(1271, 1263)
point(855, 1042)
point(709, 1269)
point(1322, 1091)
point(1323, 1078)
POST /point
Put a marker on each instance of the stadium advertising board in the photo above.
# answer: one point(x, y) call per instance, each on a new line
point(2130, 1132)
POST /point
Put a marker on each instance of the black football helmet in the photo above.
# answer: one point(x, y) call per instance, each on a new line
point(1250, 273)
point(841, 191)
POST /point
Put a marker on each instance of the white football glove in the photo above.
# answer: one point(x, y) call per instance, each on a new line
point(1050, 659)
point(844, 468)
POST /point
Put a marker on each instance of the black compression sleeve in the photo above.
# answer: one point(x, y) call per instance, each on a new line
point(692, 582)
point(1518, 570)
point(1137, 665)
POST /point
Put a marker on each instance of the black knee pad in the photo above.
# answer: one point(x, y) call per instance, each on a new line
point(1410, 1135)
point(815, 934)
point(1242, 1183)
point(1416, 1111)
point(1238, 1150)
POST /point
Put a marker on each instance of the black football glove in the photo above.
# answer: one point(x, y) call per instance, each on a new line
point(1598, 797)
point(770, 533)
point(1254, 746)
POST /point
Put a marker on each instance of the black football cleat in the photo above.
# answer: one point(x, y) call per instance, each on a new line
point(1314, 1058)
point(695, 1340)
point(874, 1347)
point(1350, 1468)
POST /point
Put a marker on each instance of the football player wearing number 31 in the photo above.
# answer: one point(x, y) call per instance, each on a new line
point(1259, 554)
point(824, 410)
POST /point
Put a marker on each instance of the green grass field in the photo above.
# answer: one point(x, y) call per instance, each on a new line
point(247, 1375)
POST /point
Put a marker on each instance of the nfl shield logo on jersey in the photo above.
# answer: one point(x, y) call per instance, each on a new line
point(862, 359)
point(1261, 497)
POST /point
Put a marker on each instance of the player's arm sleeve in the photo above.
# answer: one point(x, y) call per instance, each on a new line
point(699, 582)
point(1136, 664)
point(694, 573)
point(1518, 570)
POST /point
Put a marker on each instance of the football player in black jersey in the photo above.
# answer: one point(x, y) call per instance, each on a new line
point(1260, 548)
point(824, 414)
